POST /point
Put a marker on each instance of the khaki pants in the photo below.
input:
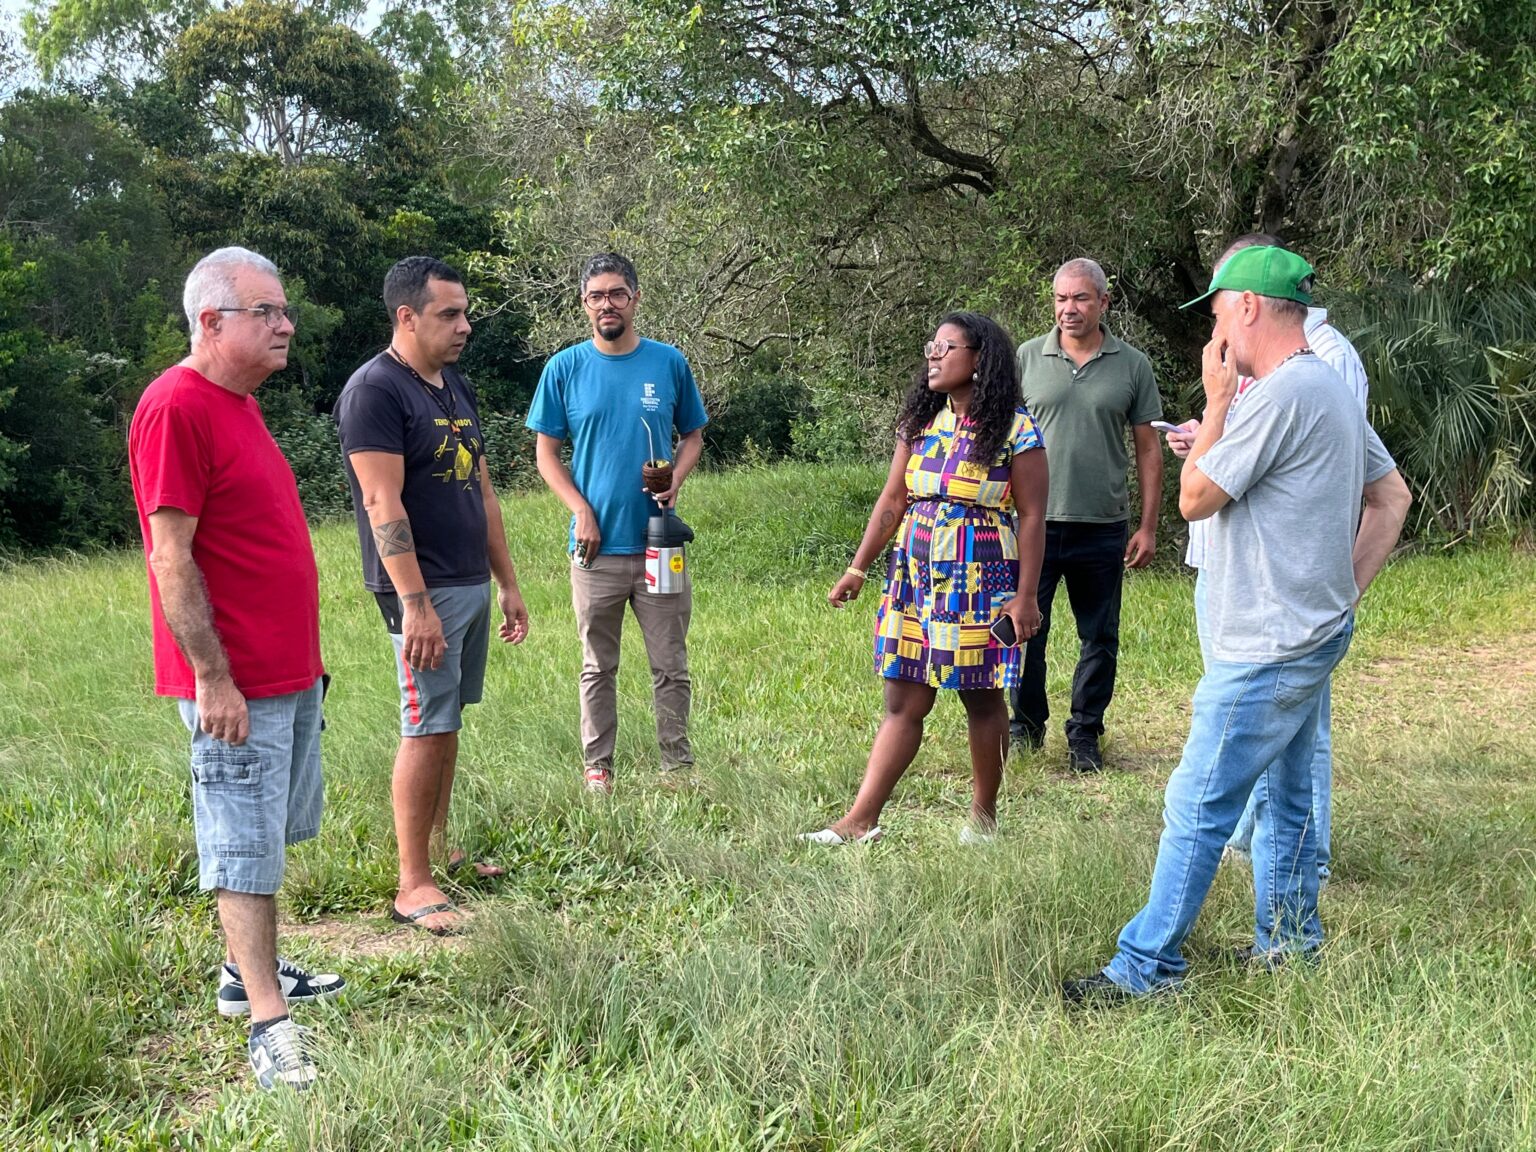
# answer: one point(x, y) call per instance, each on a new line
point(599, 594)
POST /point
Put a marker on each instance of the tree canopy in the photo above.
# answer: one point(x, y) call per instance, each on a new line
point(805, 185)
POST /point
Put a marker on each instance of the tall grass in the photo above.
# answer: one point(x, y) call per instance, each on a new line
point(668, 969)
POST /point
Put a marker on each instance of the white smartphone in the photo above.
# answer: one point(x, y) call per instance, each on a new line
point(1164, 426)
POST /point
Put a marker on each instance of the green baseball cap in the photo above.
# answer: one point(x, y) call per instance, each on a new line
point(1264, 271)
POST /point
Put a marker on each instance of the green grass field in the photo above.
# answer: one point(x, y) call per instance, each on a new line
point(669, 970)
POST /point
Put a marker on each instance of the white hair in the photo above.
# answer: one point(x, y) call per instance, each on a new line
point(211, 283)
point(1083, 266)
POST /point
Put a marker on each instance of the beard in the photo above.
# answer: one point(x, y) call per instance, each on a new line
point(611, 327)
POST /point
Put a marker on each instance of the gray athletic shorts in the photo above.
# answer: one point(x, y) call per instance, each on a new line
point(248, 802)
point(432, 698)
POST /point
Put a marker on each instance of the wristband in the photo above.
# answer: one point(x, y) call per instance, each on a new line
point(859, 572)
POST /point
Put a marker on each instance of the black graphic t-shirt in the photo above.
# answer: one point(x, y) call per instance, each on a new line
point(385, 408)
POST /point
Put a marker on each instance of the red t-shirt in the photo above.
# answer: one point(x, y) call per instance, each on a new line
point(205, 450)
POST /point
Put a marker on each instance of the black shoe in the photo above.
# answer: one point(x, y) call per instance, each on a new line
point(1027, 739)
point(1274, 961)
point(1083, 991)
point(1083, 754)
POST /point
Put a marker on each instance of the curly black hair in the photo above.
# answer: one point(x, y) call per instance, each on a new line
point(993, 400)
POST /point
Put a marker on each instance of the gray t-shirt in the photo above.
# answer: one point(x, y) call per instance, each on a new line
point(1294, 457)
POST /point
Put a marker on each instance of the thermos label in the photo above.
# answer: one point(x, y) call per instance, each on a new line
point(677, 563)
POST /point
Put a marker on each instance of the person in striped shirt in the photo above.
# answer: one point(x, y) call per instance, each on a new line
point(1335, 350)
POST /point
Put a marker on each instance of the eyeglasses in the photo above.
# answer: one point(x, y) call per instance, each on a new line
point(938, 349)
point(618, 297)
point(272, 315)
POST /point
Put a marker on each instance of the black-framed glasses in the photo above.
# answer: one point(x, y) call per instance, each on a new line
point(618, 297)
point(938, 349)
point(272, 315)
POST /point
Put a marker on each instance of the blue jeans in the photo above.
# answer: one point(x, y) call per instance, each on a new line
point(1253, 724)
point(1322, 768)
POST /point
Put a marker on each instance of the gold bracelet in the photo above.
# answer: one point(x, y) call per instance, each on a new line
point(862, 574)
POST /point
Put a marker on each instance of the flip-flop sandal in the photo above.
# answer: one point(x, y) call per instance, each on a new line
point(455, 866)
point(414, 919)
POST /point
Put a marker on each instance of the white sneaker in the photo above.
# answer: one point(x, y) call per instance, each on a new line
point(280, 1057)
point(831, 839)
point(599, 781)
point(973, 837)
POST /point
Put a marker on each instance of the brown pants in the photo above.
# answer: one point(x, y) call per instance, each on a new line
point(599, 594)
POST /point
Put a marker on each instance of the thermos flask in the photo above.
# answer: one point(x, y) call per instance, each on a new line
point(666, 568)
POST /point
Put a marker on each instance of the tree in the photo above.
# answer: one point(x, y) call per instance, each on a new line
point(282, 80)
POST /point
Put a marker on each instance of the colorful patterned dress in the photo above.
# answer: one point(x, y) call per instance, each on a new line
point(955, 563)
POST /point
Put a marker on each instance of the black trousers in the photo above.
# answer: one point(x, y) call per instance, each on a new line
point(1091, 559)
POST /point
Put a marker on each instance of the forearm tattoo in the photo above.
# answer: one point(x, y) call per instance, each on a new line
point(887, 518)
point(415, 599)
point(394, 538)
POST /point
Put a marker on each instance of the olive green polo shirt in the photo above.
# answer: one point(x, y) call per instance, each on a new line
point(1082, 413)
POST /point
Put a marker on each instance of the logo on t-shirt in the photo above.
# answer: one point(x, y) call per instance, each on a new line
point(458, 458)
point(648, 398)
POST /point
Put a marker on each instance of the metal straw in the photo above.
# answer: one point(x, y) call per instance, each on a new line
point(651, 444)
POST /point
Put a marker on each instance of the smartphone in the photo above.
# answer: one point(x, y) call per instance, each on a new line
point(1003, 631)
point(1164, 426)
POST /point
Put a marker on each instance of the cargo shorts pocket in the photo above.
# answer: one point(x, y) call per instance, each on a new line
point(230, 816)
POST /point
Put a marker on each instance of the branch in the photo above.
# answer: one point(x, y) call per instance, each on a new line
point(748, 346)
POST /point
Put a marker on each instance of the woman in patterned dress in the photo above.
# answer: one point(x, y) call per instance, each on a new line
point(965, 500)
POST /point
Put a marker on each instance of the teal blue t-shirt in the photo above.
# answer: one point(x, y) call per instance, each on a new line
point(603, 405)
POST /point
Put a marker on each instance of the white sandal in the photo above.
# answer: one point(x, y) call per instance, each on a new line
point(831, 839)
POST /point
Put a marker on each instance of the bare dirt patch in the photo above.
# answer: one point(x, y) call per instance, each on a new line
point(363, 937)
point(1488, 685)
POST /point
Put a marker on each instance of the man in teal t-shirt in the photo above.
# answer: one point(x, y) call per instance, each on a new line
point(619, 400)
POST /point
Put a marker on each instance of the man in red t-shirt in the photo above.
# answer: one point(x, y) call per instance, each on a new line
point(235, 601)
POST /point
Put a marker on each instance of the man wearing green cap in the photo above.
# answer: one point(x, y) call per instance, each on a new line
point(1335, 350)
point(1288, 556)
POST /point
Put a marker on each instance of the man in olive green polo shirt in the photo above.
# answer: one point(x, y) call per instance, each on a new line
point(1083, 387)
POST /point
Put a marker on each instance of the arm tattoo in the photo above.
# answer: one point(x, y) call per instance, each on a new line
point(416, 598)
point(394, 538)
point(887, 518)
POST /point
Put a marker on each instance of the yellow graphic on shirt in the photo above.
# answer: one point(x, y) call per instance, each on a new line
point(462, 465)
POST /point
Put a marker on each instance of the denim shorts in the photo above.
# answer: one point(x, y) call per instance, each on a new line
point(250, 802)
point(431, 699)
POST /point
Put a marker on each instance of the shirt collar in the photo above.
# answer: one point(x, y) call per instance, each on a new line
point(1052, 346)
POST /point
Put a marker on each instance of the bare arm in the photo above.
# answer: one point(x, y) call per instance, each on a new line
point(184, 604)
point(884, 519)
point(1387, 501)
point(1199, 495)
point(1029, 480)
point(381, 478)
point(546, 455)
point(1149, 475)
point(514, 614)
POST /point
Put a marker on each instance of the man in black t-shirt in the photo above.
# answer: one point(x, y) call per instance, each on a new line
point(431, 534)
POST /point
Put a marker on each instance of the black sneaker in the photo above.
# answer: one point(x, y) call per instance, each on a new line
point(1083, 754)
point(1083, 991)
point(1275, 961)
point(1027, 739)
point(297, 985)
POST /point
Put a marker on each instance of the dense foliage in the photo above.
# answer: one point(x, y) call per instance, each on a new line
point(806, 186)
